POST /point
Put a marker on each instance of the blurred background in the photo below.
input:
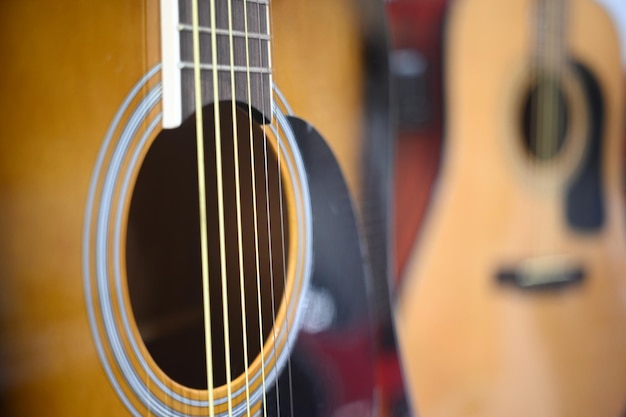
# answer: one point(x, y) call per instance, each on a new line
point(418, 32)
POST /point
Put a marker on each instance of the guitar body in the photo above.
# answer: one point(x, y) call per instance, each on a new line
point(68, 68)
point(478, 337)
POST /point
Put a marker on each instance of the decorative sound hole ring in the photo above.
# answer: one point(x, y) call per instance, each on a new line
point(138, 381)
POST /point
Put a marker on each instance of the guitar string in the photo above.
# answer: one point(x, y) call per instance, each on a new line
point(551, 97)
point(254, 206)
point(202, 196)
point(284, 270)
point(238, 209)
point(220, 208)
point(548, 112)
point(549, 131)
point(270, 23)
point(242, 290)
point(271, 266)
point(267, 112)
point(557, 109)
point(547, 91)
point(543, 88)
point(545, 83)
point(550, 107)
point(282, 236)
point(549, 63)
point(540, 139)
point(536, 119)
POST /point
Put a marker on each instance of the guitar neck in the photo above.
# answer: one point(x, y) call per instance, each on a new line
point(550, 48)
point(242, 37)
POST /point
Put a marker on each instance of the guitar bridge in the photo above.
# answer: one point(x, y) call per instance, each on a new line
point(543, 272)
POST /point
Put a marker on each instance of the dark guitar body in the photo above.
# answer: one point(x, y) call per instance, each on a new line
point(417, 28)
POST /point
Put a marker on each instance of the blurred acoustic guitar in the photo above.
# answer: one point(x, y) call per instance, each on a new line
point(514, 303)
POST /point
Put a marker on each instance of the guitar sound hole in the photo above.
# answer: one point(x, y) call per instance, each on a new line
point(163, 249)
point(545, 117)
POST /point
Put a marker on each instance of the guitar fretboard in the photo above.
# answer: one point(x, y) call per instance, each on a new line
point(550, 48)
point(250, 63)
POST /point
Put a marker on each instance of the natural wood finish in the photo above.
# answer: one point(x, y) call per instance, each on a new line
point(470, 346)
point(328, 28)
point(67, 66)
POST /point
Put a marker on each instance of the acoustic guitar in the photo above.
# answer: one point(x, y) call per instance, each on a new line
point(513, 304)
point(191, 201)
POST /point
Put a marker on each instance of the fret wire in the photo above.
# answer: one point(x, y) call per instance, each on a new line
point(257, 1)
point(239, 33)
point(261, 2)
point(224, 67)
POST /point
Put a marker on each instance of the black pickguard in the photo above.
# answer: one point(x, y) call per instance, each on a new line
point(584, 206)
point(332, 369)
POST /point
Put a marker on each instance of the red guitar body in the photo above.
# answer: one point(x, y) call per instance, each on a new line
point(416, 32)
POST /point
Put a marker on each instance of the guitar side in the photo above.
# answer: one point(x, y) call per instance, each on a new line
point(471, 345)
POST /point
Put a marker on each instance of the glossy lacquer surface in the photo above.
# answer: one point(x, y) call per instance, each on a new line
point(68, 67)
